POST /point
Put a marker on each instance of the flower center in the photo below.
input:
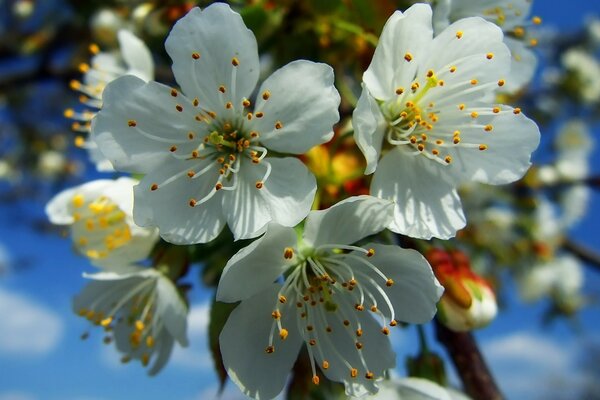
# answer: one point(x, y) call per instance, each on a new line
point(327, 292)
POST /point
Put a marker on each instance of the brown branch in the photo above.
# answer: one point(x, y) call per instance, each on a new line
point(462, 348)
point(585, 254)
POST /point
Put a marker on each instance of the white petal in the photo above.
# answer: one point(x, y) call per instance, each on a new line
point(158, 125)
point(414, 389)
point(60, 208)
point(168, 206)
point(415, 291)
point(523, 66)
point(427, 205)
point(441, 15)
point(369, 128)
point(410, 32)
point(244, 339)
point(304, 100)
point(285, 198)
point(136, 54)
point(348, 221)
point(255, 267)
point(509, 147)
point(172, 310)
point(164, 348)
point(217, 34)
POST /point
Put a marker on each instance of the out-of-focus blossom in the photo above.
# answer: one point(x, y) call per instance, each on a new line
point(133, 58)
point(140, 309)
point(205, 154)
point(574, 144)
point(99, 214)
point(424, 111)
point(105, 25)
point(52, 163)
point(468, 302)
point(336, 298)
point(415, 389)
point(512, 17)
point(586, 71)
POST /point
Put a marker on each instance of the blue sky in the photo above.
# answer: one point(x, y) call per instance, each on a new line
point(42, 357)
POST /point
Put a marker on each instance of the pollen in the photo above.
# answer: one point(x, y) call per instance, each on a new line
point(154, 187)
point(408, 57)
point(283, 333)
point(196, 56)
point(131, 123)
point(459, 34)
point(288, 253)
point(78, 200)
point(278, 125)
point(266, 94)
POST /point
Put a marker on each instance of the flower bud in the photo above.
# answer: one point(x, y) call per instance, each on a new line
point(468, 301)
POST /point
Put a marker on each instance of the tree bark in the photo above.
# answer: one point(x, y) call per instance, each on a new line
point(472, 369)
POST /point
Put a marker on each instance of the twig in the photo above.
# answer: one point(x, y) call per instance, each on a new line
point(477, 380)
point(585, 254)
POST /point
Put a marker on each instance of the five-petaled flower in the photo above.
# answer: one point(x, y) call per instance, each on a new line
point(425, 110)
point(207, 155)
point(320, 290)
point(140, 309)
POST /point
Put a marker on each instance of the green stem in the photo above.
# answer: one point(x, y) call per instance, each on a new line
point(357, 30)
point(422, 339)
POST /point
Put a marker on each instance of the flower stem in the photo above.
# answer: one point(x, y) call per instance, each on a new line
point(357, 30)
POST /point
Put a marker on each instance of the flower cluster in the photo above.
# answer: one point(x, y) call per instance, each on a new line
point(221, 152)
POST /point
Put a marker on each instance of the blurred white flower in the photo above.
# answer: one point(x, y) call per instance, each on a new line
point(320, 290)
point(52, 163)
point(99, 214)
point(206, 156)
point(140, 309)
point(415, 389)
point(586, 69)
point(512, 17)
point(574, 145)
point(133, 58)
point(425, 108)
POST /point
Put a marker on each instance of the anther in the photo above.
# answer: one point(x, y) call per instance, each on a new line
point(346, 322)
point(359, 332)
point(459, 34)
point(315, 380)
point(288, 253)
point(195, 102)
point(278, 125)
point(353, 372)
point(474, 114)
point(483, 147)
point(93, 48)
point(139, 325)
point(195, 56)
point(517, 111)
point(83, 68)
point(496, 110)
point(266, 94)
point(456, 140)
point(420, 147)
point(229, 105)
point(461, 106)
point(276, 314)
point(192, 202)
point(448, 159)
point(191, 135)
point(374, 308)
point(430, 73)
point(501, 82)
point(488, 128)
point(408, 57)
point(370, 252)
point(385, 330)
point(235, 62)
point(473, 81)
point(309, 328)
point(283, 333)
point(179, 107)
point(325, 364)
point(174, 92)
point(358, 345)
point(414, 86)
point(195, 154)
point(399, 91)
point(536, 20)
point(191, 173)
point(270, 349)
point(154, 187)
point(359, 307)
point(452, 69)
point(393, 323)
point(312, 342)
point(369, 375)
point(106, 322)
point(218, 186)
point(259, 114)
point(533, 42)
point(282, 299)
point(173, 149)
point(222, 89)
point(259, 185)
point(246, 103)
point(131, 123)
point(489, 56)
point(389, 282)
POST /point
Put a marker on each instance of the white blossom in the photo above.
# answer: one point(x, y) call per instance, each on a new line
point(206, 153)
point(320, 290)
point(100, 216)
point(140, 309)
point(425, 124)
point(586, 69)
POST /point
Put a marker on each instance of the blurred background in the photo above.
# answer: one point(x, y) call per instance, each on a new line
point(543, 346)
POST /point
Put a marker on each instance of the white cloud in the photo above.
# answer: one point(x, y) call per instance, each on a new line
point(16, 395)
point(197, 355)
point(28, 328)
point(527, 364)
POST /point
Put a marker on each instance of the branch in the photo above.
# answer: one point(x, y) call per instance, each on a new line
point(585, 254)
point(477, 380)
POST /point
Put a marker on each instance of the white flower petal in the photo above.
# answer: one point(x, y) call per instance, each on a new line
point(244, 339)
point(348, 221)
point(523, 66)
point(508, 149)
point(168, 206)
point(303, 99)
point(172, 310)
point(404, 35)
point(164, 350)
point(286, 196)
point(140, 123)
point(427, 205)
point(255, 267)
point(136, 54)
point(415, 291)
point(369, 128)
point(215, 35)
point(60, 208)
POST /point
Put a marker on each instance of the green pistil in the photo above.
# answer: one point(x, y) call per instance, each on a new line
point(330, 305)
